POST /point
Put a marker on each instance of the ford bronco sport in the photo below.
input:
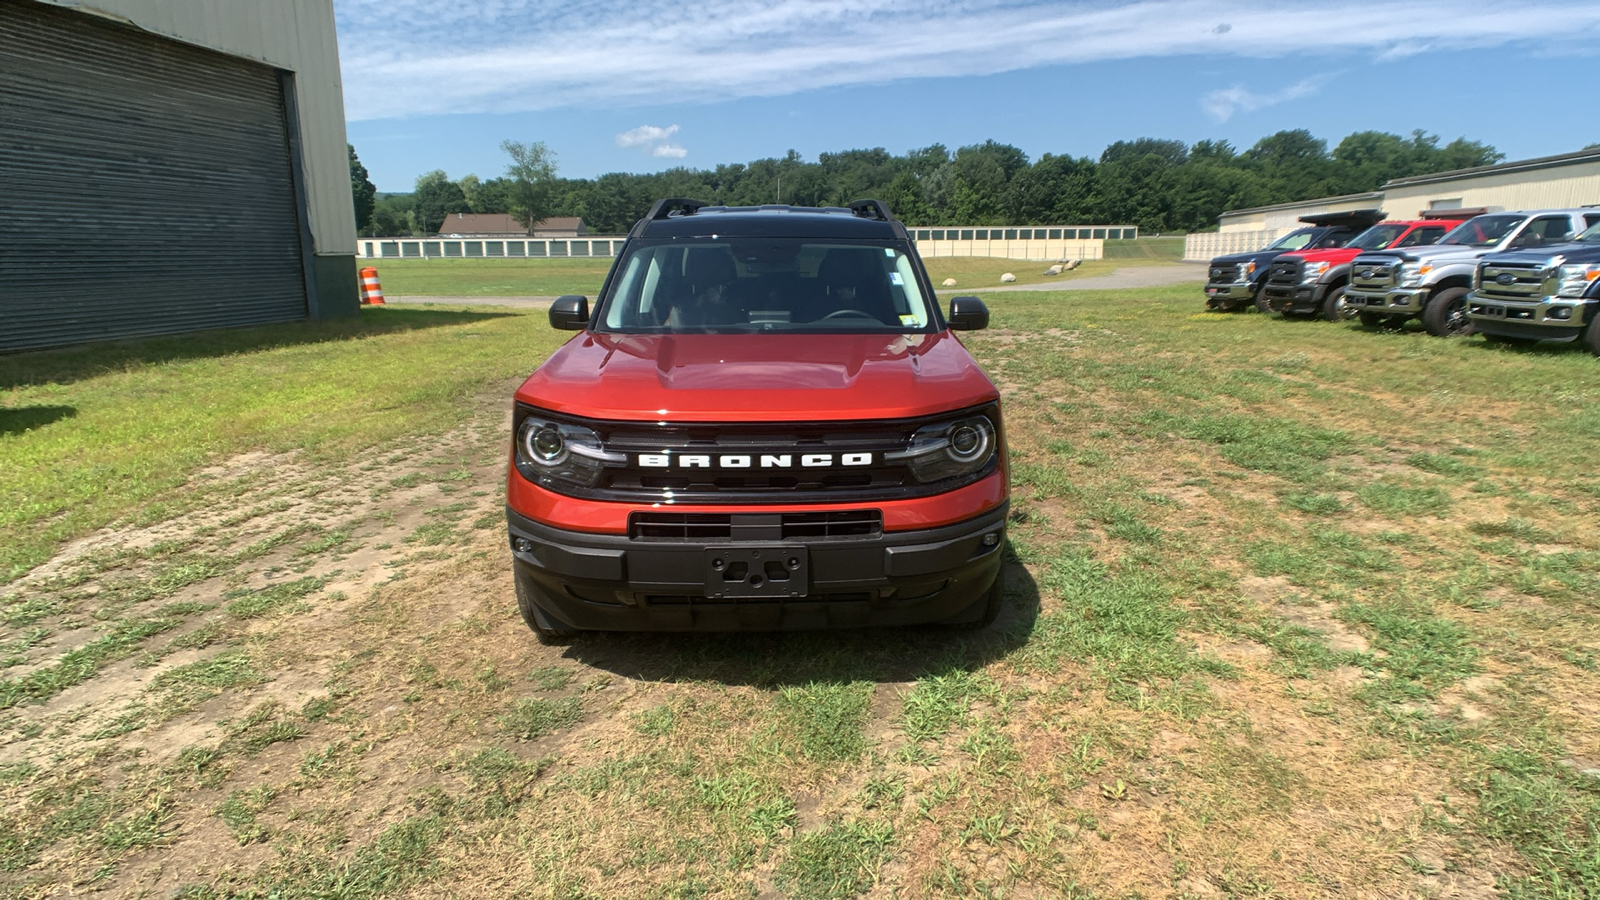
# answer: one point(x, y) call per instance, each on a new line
point(765, 423)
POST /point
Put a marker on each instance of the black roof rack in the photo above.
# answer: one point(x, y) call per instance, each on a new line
point(1470, 212)
point(872, 209)
point(680, 205)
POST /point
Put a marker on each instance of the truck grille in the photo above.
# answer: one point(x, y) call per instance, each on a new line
point(1225, 274)
point(785, 463)
point(789, 526)
point(1373, 274)
point(1514, 281)
point(1285, 271)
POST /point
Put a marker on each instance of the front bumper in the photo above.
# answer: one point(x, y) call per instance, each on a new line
point(615, 583)
point(1540, 320)
point(1301, 298)
point(1232, 292)
point(1394, 302)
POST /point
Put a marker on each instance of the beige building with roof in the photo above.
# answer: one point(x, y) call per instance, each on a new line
point(1564, 181)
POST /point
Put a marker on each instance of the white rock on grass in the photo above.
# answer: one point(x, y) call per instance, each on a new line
point(949, 282)
point(1007, 278)
point(1074, 264)
point(1056, 269)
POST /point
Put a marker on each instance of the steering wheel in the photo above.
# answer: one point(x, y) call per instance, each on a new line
point(841, 313)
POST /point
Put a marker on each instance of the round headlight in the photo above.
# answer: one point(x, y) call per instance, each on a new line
point(545, 444)
point(969, 441)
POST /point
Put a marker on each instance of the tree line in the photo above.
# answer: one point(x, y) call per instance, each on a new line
point(1162, 186)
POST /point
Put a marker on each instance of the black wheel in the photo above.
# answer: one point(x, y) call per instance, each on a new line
point(1591, 335)
point(989, 603)
point(1262, 306)
point(1371, 319)
point(1446, 314)
point(548, 628)
point(1334, 308)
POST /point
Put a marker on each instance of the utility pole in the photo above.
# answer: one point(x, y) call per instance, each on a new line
point(780, 189)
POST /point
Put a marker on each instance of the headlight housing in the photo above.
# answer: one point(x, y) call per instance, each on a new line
point(1575, 279)
point(949, 449)
point(1313, 271)
point(1249, 269)
point(559, 454)
point(1411, 274)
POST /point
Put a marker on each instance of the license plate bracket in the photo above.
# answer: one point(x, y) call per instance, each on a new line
point(743, 572)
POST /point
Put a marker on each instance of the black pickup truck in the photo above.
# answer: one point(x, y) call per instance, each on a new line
point(1235, 280)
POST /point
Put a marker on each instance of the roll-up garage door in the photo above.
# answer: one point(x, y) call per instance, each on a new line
point(146, 186)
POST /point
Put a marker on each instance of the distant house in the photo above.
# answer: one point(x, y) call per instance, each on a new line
point(501, 225)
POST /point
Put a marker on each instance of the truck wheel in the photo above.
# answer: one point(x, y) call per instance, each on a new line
point(1446, 314)
point(1591, 335)
point(1262, 306)
point(1334, 308)
point(548, 628)
point(990, 603)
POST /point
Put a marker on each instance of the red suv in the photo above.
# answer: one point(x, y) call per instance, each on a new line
point(766, 422)
point(1306, 284)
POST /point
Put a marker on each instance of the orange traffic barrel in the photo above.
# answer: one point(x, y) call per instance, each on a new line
point(371, 291)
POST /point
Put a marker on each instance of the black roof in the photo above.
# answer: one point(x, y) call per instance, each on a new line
point(863, 219)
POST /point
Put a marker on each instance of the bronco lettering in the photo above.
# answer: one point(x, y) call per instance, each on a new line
point(746, 461)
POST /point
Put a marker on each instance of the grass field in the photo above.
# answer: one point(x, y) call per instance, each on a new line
point(1293, 610)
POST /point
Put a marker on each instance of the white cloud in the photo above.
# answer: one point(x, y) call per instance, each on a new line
point(1224, 103)
point(654, 140)
point(412, 57)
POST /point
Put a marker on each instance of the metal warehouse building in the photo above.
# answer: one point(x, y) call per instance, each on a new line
point(169, 166)
point(1551, 182)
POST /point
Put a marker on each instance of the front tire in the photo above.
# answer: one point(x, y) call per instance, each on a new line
point(1446, 314)
point(1334, 308)
point(1591, 335)
point(549, 629)
point(1262, 306)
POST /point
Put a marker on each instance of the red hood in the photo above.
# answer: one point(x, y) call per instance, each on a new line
point(1335, 255)
point(722, 377)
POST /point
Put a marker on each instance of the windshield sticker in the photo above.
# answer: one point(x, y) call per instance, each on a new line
point(894, 278)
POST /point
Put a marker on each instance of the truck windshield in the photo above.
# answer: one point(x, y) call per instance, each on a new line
point(1483, 231)
point(1377, 237)
point(765, 285)
point(1591, 235)
point(1294, 240)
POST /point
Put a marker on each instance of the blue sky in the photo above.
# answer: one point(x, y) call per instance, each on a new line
point(614, 85)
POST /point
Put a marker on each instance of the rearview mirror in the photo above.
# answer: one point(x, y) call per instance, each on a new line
point(968, 314)
point(570, 313)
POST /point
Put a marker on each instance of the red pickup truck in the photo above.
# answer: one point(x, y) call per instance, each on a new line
point(1308, 284)
point(765, 422)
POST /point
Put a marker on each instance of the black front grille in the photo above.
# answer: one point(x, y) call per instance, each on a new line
point(1285, 271)
point(767, 462)
point(1225, 274)
point(789, 526)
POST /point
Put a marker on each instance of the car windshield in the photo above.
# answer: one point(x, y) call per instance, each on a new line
point(1591, 235)
point(1294, 240)
point(1378, 237)
point(1483, 231)
point(765, 285)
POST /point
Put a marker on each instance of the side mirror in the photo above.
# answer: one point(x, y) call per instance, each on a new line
point(968, 314)
point(570, 313)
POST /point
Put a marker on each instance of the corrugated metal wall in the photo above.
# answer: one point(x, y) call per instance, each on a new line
point(147, 185)
point(1558, 187)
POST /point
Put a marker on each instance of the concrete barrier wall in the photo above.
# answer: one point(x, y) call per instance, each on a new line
point(1203, 247)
